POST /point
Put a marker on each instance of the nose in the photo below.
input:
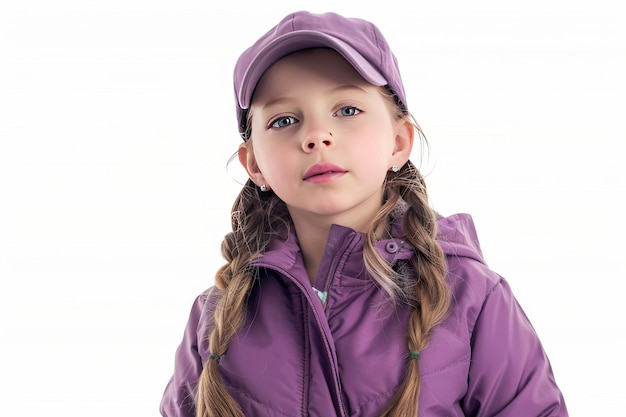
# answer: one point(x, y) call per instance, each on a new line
point(317, 139)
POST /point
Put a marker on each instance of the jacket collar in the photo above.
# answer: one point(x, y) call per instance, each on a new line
point(456, 236)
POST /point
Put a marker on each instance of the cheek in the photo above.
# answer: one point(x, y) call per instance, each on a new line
point(375, 142)
point(273, 163)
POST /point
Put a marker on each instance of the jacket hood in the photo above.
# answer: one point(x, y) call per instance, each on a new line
point(457, 237)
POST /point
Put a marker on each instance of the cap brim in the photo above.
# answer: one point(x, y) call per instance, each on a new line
point(296, 41)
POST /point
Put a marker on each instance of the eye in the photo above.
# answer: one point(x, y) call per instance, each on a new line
point(348, 111)
point(283, 122)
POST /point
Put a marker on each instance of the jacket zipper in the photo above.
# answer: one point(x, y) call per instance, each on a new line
point(333, 268)
point(307, 357)
point(329, 352)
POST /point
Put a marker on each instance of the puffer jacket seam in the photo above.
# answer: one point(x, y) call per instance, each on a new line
point(372, 399)
point(446, 367)
point(252, 399)
point(482, 306)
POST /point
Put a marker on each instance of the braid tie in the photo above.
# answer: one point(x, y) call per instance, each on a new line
point(217, 358)
point(414, 355)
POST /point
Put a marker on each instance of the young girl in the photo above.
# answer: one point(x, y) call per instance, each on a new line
point(343, 292)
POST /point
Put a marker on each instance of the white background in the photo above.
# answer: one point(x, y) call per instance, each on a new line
point(117, 122)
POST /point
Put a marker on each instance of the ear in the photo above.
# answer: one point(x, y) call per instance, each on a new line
point(249, 163)
point(405, 134)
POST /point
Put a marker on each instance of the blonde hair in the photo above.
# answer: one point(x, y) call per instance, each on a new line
point(258, 217)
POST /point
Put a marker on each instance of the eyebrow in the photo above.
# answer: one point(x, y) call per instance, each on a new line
point(349, 87)
point(343, 87)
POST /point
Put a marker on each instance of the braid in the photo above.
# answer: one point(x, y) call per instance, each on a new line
point(427, 291)
point(255, 216)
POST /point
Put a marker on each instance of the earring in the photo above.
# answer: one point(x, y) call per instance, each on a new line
point(263, 187)
point(395, 168)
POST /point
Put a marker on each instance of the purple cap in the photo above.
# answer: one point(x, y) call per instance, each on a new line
point(357, 40)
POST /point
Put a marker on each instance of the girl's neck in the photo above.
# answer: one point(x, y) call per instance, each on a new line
point(312, 240)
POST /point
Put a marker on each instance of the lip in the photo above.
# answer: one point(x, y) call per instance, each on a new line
point(323, 172)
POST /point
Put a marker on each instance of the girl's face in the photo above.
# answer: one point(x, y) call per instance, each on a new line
point(323, 139)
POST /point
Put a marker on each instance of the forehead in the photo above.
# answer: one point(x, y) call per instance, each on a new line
point(307, 66)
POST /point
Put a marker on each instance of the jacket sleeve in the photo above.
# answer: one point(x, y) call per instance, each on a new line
point(510, 375)
point(178, 398)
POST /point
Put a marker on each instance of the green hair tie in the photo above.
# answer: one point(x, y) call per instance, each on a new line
point(217, 358)
point(414, 354)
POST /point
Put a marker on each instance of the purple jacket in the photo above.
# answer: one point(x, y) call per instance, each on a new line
point(299, 356)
